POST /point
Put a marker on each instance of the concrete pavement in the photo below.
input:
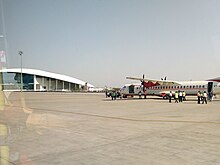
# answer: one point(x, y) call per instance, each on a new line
point(76, 128)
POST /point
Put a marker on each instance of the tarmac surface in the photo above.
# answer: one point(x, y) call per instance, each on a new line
point(86, 128)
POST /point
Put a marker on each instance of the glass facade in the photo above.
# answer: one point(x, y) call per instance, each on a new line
point(12, 81)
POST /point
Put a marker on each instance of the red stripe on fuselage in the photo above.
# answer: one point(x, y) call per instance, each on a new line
point(150, 84)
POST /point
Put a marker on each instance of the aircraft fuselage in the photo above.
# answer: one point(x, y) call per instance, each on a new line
point(190, 87)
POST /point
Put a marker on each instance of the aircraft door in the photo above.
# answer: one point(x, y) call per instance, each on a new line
point(210, 87)
point(131, 89)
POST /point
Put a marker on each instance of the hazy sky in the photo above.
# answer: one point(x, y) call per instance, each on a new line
point(103, 41)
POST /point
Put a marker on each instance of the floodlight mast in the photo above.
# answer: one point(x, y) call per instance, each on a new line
point(21, 53)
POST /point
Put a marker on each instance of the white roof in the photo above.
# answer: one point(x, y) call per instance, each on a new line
point(47, 74)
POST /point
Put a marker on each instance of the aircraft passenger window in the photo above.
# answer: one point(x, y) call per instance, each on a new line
point(193, 86)
point(190, 86)
point(196, 86)
point(203, 86)
point(187, 86)
point(199, 86)
point(184, 87)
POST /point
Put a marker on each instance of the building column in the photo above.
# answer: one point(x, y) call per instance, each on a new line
point(49, 84)
point(35, 84)
point(42, 82)
point(56, 85)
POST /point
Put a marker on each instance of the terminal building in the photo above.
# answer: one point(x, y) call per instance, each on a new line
point(38, 80)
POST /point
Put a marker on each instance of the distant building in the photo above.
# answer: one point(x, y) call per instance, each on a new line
point(38, 80)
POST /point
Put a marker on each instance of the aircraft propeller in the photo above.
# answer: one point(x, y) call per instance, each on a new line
point(143, 83)
point(165, 78)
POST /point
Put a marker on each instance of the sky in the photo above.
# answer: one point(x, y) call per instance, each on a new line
point(103, 41)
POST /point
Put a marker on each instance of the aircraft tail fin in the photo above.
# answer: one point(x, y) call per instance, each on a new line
point(215, 79)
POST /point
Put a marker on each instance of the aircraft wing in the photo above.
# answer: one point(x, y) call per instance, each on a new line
point(152, 82)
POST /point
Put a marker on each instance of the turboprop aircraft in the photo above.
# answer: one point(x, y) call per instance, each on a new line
point(163, 87)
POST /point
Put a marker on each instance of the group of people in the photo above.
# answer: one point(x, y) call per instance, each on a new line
point(113, 94)
point(179, 96)
point(202, 97)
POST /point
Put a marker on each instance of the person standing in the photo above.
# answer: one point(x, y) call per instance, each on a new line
point(210, 95)
point(204, 97)
point(199, 96)
point(184, 96)
point(145, 94)
point(170, 96)
point(180, 96)
point(113, 95)
point(176, 96)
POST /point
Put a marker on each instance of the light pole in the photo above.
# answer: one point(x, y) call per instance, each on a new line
point(21, 53)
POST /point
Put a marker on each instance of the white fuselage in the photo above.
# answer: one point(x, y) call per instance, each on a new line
point(190, 87)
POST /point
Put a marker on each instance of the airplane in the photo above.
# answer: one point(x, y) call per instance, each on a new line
point(163, 87)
